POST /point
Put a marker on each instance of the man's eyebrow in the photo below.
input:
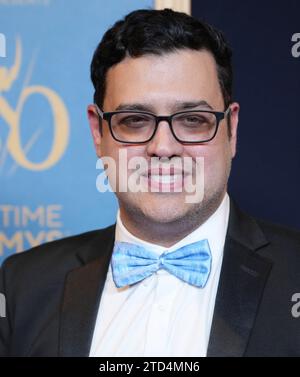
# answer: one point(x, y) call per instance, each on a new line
point(177, 106)
point(191, 105)
point(134, 107)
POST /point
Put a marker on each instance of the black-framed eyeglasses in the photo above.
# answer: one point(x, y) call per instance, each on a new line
point(187, 127)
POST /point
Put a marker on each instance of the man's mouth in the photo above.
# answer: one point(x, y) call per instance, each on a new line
point(165, 180)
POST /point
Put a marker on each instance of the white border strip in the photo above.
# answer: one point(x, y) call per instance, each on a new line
point(178, 5)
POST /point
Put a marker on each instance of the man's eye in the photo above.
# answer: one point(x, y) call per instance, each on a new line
point(134, 121)
point(193, 120)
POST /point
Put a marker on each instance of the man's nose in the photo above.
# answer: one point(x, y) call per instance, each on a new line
point(164, 143)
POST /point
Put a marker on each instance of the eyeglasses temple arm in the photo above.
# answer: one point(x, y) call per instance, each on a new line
point(227, 112)
point(99, 111)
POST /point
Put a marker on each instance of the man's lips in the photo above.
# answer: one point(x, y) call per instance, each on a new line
point(165, 178)
point(165, 172)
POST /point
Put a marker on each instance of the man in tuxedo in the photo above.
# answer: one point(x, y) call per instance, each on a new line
point(172, 277)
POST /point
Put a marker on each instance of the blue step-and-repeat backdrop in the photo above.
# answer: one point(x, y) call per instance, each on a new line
point(47, 160)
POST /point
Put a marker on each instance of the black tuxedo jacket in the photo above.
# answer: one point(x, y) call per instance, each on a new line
point(53, 293)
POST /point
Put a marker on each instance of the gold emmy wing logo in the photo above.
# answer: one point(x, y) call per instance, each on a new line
point(12, 118)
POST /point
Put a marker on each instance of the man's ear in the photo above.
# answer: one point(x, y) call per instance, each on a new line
point(234, 120)
point(94, 120)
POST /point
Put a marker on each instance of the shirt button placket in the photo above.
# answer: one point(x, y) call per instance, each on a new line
point(157, 330)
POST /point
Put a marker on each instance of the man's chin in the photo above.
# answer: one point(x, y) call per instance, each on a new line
point(166, 213)
point(157, 207)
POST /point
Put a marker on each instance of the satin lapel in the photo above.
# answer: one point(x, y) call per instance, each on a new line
point(83, 290)
point(243, 277)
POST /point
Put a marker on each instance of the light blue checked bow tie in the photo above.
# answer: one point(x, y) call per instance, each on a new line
point(132, 263)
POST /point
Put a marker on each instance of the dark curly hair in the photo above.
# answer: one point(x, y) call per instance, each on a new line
point(159, 32)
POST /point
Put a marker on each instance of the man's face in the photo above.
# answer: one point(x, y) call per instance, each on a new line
point(164, 85)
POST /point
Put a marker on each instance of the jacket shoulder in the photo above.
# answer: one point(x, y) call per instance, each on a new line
point(280, 233)
point(254, 230)
point(56, 256)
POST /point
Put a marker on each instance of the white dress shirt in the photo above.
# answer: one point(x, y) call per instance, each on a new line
point(161, 315)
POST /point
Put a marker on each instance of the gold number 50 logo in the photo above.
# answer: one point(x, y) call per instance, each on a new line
point(12, 117)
